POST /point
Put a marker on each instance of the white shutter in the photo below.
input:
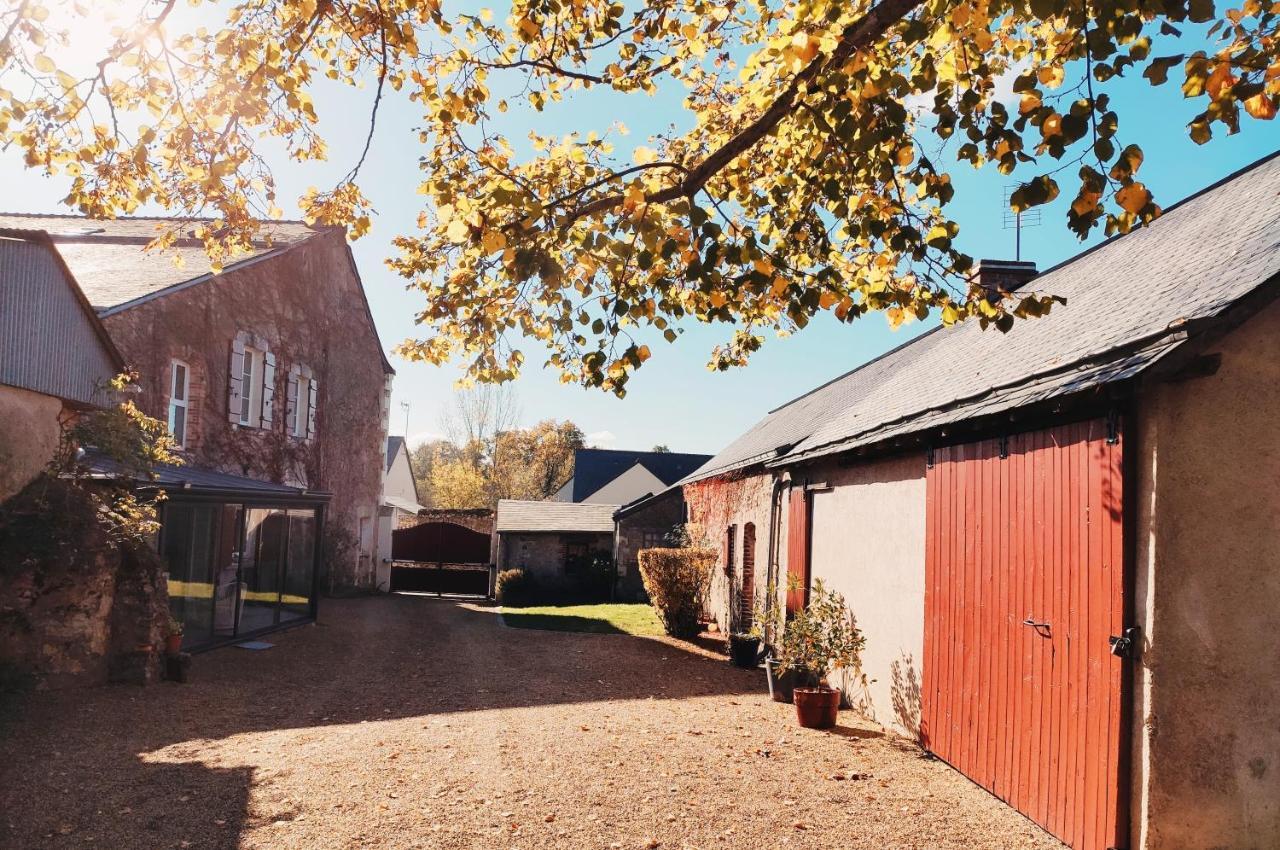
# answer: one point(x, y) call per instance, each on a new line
point(268, 387)
point(234, 380)
point(291, 403)
point(311, 408)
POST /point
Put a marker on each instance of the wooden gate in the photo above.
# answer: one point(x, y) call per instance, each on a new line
point(440, 557)
point(1024, 586)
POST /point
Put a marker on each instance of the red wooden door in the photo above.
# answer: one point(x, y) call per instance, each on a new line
point(1024, 584)
point(797, 551)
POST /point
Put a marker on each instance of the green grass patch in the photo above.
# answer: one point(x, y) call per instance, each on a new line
point(618, 619)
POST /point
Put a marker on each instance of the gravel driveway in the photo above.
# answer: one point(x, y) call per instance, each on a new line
point(402, 722)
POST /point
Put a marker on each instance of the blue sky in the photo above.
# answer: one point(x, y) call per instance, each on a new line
point(674, 399)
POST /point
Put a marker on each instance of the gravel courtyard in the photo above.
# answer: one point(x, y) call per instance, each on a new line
point(403, 722)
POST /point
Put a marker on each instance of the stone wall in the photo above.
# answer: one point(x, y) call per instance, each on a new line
point(476, 519)
point(29, 434)
point(543, 554)
point(643, 528)
point(307, 304)
point(1206, 724)
point(75, 608)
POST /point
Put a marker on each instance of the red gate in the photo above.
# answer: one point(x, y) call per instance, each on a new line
point(1024, 586)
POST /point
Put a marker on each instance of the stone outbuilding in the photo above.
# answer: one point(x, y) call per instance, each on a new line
point(554, 541)
point(1061, 543)
point(647, 523)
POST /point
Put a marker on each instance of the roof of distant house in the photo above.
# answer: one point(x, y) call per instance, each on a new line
point(594, 468)
point(1131, 301)
point(394, 444)
point(517, 515)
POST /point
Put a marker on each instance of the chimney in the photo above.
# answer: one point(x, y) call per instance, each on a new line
point(1002, 275)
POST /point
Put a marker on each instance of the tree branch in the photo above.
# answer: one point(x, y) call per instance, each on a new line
point(861, 33)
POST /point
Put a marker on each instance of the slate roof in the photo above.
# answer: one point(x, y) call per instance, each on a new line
point(1130, 302)
point(517, 515)
point(108, 260)
point(393, 449)
point(594, 468)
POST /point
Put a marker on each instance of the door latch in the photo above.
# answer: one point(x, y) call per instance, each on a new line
point(1125, 645)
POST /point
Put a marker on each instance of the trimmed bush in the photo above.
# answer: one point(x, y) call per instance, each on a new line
point(516, 588)
point(678, 581)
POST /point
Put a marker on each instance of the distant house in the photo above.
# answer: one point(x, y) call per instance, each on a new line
point(56, 358)
point(552, 540)
point(1062, 544)
point(400, 506)
point(610, 476)
point(270, 372)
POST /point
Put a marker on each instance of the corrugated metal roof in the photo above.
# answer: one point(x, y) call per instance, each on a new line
point(108, 258)
point(517, 515)
point(51, 341)
point(1126, 299)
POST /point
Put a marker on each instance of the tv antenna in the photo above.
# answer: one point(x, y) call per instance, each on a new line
point(404, 405)
point(1015, 221)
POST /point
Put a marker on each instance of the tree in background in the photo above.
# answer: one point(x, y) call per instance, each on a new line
point(485, 457)
point(806, 172)
point(536, 462)
point(661, 448)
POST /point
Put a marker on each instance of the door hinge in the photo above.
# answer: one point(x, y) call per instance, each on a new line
point(928, 458)
point(1125, 645)
point(1113, 427)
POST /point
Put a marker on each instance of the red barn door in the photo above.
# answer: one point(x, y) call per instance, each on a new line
point(798, 551)
point(1024, 585)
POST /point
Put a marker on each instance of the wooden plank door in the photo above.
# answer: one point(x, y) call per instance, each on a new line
point(797, 551)
point(1024, 585)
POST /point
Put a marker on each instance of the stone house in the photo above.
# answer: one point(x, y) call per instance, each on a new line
point(551, 539)
point(399, 508)
point(1061, 542)
point(646, 523)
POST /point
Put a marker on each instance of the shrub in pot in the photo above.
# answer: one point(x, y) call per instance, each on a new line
point(516, 588)
point(173, 631)
point(677, 581)
point(743, 644)
point(820, 638)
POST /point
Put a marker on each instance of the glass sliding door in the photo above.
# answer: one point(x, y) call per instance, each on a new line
point(197, 544)
point(228, 590)
point(262, 568)
point(300, 565)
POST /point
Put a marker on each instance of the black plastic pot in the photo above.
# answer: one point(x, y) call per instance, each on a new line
point(781, 684)
point(744, 651)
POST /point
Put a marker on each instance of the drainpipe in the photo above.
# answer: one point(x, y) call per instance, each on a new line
point(775, 521)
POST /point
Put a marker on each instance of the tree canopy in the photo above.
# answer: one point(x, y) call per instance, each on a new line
point(808, 172)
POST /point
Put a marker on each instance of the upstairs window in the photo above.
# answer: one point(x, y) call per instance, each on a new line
point(251, 388)
point(179, 395)
point(300, 402)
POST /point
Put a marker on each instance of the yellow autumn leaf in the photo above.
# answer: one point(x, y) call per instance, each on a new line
point(43, 64)
point(1133, 197)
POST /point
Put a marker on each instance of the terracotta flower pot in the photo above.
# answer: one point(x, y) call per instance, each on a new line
point(172, 644)
point(817, 708)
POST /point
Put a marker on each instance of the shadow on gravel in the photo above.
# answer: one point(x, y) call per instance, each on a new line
point(74, 769)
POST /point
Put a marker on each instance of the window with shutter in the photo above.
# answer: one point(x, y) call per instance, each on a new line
point(268, 388)
point(292, 421)
point(235, 382)
point(312, 394)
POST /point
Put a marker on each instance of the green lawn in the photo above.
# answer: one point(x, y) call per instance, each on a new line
point(628, 619)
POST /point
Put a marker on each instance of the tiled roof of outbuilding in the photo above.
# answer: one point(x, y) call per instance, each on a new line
point(1130, 302)
point(108, 260)
point(517, 515)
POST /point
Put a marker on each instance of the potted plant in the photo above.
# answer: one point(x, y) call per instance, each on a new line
point(820, 638)
point(766, 625)
point(173, 636)
point(744, 644)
